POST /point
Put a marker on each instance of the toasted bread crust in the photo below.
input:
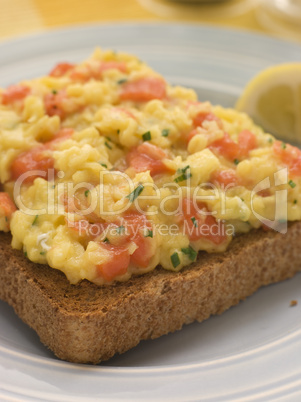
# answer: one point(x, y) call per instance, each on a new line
point(85, 323)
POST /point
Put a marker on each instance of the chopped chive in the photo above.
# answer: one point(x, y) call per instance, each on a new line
point(122, 81)
point(120, 229)
point(242, 200)
point(282, 221)
point(35, 220)
point(175, 260)
point(236, 161)
point(103, 164)
point(118, 131)
point(295, 201)
point(183, 177)
point(149, 233)
point(147, 136)
point(194, 221)
point(270, 140)
point(134, 194)
point(87, 193)
point(42, 252)
point(106, 240)
point(283, 145)
point(54, 91)
point(192, 254)
point(292, 183)
point(6, 219)
point(165, 132)
point(25, 253)
point(53, 186)
point(183, 170)
point(108, 145)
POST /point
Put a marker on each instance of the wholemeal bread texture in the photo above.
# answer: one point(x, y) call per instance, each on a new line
point(86, 323)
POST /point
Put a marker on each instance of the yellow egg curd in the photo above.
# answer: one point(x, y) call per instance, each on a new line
point(109, 171)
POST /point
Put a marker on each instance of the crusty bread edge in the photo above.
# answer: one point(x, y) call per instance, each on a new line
point(89, 324)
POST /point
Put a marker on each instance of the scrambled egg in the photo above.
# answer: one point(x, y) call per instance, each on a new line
point(113, 171)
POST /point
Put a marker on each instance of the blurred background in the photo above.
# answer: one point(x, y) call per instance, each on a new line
point(280, 18)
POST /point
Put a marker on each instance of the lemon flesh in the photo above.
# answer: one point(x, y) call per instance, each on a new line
point(273, 99)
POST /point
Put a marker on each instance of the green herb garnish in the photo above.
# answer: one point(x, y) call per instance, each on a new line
point(192, 254)
point(236, 161)
point(270, 140)
point(165, 132)
point(42, 252)
point(25, 253)
point(175, 260)
point(134, 194)
point(122, 81)
point(87, 193)
point(292, 183)
point(194, 221)
point(183, 177)
point(283, 145)
point(120, 229)
point(108, 145)
point(54, 91)
point(183, 170)
point(106, 240)
point(35, 220)
point(282, 221)
point(295, 201)
point(104, 165)
point(147, 136)
point(149, 233)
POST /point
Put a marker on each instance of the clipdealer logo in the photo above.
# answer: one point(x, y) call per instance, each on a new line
point(279, 223)
point(97, 197)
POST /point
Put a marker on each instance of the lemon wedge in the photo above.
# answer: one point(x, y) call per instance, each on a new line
point(273, 99)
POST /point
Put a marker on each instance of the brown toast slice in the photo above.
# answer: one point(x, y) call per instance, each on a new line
point(85, 323)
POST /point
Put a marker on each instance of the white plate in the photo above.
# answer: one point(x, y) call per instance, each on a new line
point(253, 351)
